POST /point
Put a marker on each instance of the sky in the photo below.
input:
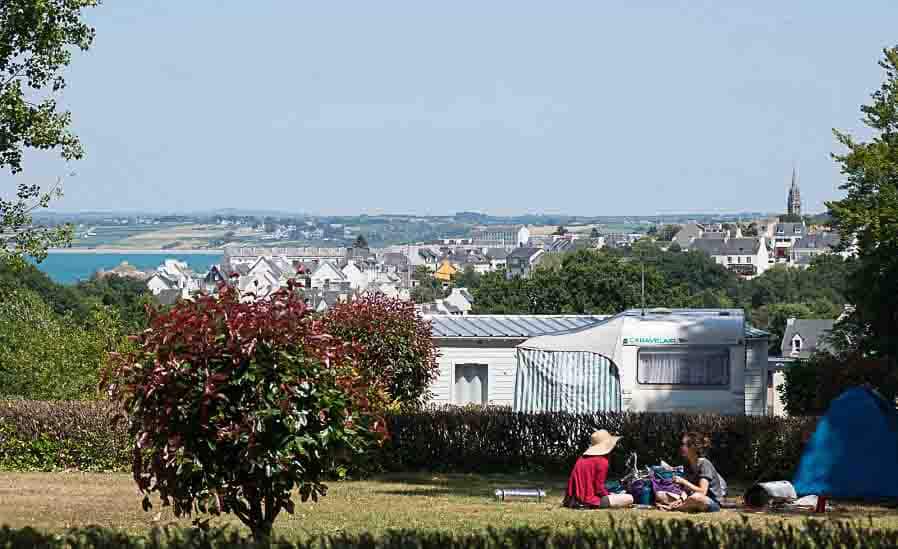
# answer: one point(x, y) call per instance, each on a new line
point(502, 107)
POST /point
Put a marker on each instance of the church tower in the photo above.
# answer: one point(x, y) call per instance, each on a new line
point(793, 206)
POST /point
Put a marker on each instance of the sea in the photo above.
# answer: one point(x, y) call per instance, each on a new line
point(70, 267)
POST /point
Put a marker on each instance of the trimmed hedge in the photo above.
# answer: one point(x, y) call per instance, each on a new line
point(499, 440)
point(48, 435)
point(83, 436)
point(642, 535)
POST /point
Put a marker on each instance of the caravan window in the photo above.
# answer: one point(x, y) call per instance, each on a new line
point(701, 366)
point(471, 383)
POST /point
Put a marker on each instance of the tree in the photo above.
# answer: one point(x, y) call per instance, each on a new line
point(428, 289)
point(45, 356)
point(393, 345)
point(869, 213)
point(360, 242)
point(36, 39)
point(594, 233)
point(750, 230)
point(775, 316)
point(469, 278)
point(810, 386)
point(667, 232)
point(130, 297)
point(234, 405)
point(560, 231)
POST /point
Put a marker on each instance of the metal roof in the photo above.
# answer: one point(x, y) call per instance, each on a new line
point(508, 326)
point(527, 326)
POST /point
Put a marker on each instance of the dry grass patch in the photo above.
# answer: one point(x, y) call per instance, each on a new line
point(56, 501)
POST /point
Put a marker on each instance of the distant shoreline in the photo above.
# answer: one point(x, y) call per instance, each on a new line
point(127, 251)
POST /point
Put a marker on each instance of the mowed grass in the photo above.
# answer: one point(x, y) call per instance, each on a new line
point(459, 503)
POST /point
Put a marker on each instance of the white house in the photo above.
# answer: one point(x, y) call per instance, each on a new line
point(745, 256)
point(784, 237)
point(160, 282)
point(664, 361)
point(357, 278)
point(327, 276)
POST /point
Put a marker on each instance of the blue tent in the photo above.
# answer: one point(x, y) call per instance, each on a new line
point(853, 453)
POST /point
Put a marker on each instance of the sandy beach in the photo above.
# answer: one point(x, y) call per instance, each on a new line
point(125, 251)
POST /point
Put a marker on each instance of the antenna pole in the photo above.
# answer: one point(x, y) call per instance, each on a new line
point(643, 285)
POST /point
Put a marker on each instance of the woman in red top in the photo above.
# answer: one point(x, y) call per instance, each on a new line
point(586, 486)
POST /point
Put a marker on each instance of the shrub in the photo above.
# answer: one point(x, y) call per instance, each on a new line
point(393, 343)
point(448, 439)
point(496, 439)
point(629, 535)
point(234, 404)
point(45, 436)
point(812, 385)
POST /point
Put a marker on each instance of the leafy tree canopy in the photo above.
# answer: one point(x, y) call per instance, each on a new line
point(869, 213)
point(37, 38)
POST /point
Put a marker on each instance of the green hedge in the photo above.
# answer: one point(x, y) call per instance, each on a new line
point(499, 440)
point(47, 435)
point(642, 535)
point(83, 436)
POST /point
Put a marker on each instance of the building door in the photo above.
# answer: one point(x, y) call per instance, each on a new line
point(471, 382)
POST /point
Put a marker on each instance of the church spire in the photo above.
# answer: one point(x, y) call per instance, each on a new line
point(793, 204)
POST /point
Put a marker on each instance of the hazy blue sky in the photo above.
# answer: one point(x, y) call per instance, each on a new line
point(503, 107)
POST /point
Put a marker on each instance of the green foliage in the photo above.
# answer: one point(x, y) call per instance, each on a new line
point(870, 213)
point(47, 356)
point(36, 42)
point(594, 233)
point(645, 534)
point(83, 437)
point(392, 345)
point(609, 281)
point(428, 288)
point(587, 282)
point(812, 385)
point(62, 299)
point(560, 231)
point(469, 278)
point(49, 436)
point(746, 448)
point(667, 232)
point(128, 296)
point(234, 405)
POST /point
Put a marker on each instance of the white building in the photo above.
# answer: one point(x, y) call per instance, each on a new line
point(500, 237)
point(745, 256)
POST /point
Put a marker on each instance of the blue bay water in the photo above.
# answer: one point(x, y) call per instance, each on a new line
point(69, 268)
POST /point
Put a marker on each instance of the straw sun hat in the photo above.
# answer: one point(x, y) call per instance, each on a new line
point(601, 443)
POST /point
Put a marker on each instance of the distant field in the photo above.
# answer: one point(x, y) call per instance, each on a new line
point(110, 235)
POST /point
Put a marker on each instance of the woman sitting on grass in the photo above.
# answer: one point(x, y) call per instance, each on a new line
point(586, 486)
point(704, 486)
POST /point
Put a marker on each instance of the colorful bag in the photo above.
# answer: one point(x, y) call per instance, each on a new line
point(661, 482)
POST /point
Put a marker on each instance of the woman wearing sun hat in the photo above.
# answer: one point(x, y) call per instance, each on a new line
point(586, 486)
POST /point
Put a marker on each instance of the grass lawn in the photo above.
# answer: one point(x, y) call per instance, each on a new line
point(56, 501)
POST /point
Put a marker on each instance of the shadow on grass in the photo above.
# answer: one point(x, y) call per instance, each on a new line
point(430, 484)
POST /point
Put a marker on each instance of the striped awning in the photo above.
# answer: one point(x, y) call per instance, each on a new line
point(565, 381)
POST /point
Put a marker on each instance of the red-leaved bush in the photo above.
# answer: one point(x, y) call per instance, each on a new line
point(232, 405)
point(393, 345)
